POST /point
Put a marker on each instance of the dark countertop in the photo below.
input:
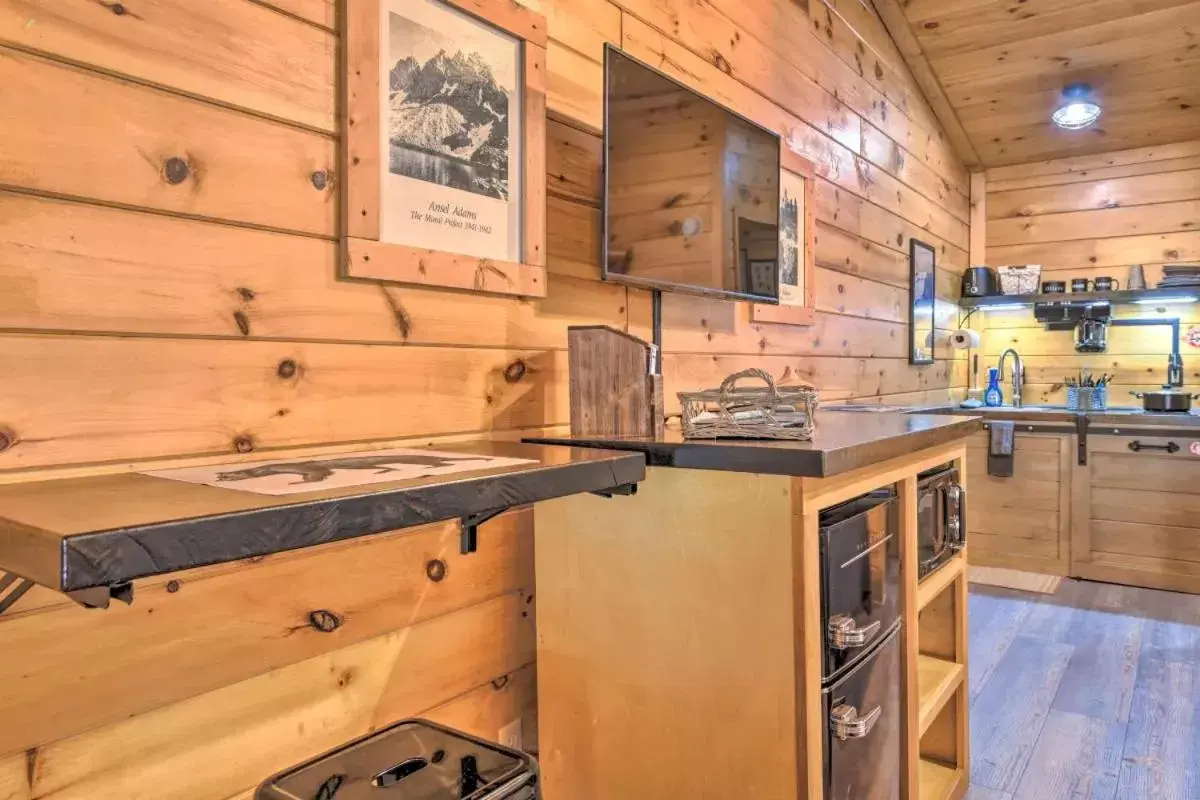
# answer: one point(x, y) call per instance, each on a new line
point(82, 533)
point(1113, 416)
point(842, 442)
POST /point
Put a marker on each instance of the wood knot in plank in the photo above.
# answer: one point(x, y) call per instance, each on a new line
point(324, 621)
point(7, 439)
point(500, 682)
point(287, 368)
point(175, 170)
point(515, 371)
point(435, 570)
point(242, 321)
point(320, 180)
point(720, 62)
point(485, 268)
point(399, 314)
point(243, 444)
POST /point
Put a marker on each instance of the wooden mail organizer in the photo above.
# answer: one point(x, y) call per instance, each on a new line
point(681, 637)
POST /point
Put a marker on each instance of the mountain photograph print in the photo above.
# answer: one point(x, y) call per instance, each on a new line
point(448, 118)
point(791, 256)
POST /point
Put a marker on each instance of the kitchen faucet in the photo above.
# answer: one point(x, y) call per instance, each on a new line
point(1018, 374)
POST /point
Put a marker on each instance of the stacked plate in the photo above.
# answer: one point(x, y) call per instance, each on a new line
point(1177, 276)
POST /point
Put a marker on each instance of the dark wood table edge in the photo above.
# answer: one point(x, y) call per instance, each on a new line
point(113, 557)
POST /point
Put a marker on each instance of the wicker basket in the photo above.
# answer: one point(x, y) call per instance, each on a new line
point(767, 412)
point(1021, 279)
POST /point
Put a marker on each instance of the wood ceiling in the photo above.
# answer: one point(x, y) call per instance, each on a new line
point(994, 71)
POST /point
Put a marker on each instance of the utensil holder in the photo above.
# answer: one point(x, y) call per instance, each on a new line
point(1087, 398)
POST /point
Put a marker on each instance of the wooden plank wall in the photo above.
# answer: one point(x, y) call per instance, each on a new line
point(143, 321)
point(1089, 216)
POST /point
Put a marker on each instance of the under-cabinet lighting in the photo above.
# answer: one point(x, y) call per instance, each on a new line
point(1166, 300)
point(1004, 306)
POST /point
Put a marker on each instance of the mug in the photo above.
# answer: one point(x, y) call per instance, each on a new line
point(1106, 284)
point(1080, 284)
point(1054, 287)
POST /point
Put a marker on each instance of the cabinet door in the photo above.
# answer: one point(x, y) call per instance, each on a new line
point(1022, 522)
point(1138, 511)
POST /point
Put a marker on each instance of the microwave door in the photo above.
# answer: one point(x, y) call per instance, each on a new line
point(931, 510)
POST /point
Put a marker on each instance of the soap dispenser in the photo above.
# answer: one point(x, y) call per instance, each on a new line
point(993, 397)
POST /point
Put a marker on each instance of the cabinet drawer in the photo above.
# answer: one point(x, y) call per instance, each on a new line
point(1149, 443)
point(1144, 463)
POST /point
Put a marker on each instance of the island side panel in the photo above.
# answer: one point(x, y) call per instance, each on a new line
point(666, 661)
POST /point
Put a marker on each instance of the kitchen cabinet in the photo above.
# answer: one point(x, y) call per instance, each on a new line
point(1137, 511)
point(1022, 522)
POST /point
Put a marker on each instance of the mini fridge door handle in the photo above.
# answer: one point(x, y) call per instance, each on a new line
point(846, 724)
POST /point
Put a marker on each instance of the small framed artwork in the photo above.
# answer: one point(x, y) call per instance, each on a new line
point(444, 139)
point(922, 284)
point(797, 242)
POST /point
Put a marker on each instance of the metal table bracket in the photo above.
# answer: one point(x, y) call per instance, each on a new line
point(624, 490)
point(12, 588)
point(469, 533)
point(469, 525)
point(100, 596)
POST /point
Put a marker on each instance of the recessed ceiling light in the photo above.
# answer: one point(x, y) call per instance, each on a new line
point(1078, 110)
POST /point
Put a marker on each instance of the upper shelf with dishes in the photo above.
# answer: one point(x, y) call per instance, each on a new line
point(984, 287)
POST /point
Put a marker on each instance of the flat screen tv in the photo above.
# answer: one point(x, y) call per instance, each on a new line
point(691, 189)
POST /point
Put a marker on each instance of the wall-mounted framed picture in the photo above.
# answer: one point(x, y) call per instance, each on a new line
point(922, 284)
point(797, 245)
point(444, 143)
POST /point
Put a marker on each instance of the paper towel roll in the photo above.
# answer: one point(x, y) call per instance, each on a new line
point(965, 339)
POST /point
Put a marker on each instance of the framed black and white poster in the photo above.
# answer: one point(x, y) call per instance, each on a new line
point(922, 302)
point(445, 144)
point(451, 109)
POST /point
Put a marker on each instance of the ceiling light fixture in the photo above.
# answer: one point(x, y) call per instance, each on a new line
point(1078, 110)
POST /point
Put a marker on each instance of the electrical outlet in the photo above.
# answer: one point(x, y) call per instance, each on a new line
point(510, 735)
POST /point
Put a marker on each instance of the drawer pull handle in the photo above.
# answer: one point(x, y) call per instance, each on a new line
point(1169, 447)
point(844, 632)
point(846, 724)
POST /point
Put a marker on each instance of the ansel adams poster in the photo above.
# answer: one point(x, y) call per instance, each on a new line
point(791, 219)
point(335, 472)
point(451, 109)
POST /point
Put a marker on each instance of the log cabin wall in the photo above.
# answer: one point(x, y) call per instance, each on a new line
point(168, 223)
point(1090, 216)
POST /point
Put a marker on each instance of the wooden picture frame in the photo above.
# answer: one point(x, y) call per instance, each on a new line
point(802, 313)
point(365, 256)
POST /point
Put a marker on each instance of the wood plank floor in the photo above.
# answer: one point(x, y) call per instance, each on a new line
point(1093, 692)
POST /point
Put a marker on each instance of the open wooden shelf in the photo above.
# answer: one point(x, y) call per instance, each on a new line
point(938, 782)
point(936, 583)
point(937, 681)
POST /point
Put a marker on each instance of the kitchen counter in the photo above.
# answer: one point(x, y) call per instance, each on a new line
point(82, 534)
point(840, 443)
point(1109, 495)
point(1040, 414)
point(688, 619)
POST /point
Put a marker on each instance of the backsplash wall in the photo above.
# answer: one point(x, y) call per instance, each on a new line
point(1092, 216)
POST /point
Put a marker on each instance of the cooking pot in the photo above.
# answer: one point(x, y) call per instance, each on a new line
point(1166, 399)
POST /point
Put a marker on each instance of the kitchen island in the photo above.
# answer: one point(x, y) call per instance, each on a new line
point(1108, 495)
point(681, 644)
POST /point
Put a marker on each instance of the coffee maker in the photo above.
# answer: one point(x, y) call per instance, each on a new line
point(1090, 321)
